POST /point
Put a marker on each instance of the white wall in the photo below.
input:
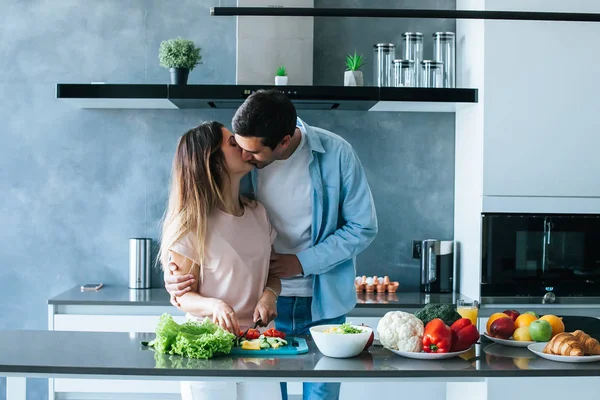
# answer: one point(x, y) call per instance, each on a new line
point(470, 36)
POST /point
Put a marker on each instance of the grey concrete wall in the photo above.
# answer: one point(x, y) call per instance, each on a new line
point(76, 184)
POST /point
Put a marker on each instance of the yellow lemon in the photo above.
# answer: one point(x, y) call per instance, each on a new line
point(522, 334)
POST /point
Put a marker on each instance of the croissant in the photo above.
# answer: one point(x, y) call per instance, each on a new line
point(590, 345)
point(564, 344)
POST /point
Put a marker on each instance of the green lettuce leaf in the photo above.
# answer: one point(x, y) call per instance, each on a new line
point(166, 333)
point(191, 339)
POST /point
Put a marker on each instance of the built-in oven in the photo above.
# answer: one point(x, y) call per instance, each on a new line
point(533, 254)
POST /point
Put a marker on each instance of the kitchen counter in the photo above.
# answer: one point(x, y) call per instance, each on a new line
point(123, 296)
point(110, 353)
point(107, 355)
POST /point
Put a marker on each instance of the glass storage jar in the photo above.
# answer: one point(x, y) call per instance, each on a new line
point(384, 54)
point(432, 74)
point(413, 50)
point(404, 73)
point(444, 50)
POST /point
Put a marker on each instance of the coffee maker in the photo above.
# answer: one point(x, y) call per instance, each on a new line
point(437, 266)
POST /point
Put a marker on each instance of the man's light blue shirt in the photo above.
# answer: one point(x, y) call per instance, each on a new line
point(344, 221)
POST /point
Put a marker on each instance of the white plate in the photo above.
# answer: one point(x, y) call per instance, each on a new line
point(498, 350)
point(537, 349)
point(508, 342)
point(428, 356)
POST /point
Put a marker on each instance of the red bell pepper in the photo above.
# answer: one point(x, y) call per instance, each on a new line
point(437, 337)
point(464, 334)
point(272, 332)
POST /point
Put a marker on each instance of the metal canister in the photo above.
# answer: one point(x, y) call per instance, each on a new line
point(140, 254)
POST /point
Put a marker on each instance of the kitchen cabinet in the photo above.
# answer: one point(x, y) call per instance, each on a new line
point(529, 144)
point(540, 109)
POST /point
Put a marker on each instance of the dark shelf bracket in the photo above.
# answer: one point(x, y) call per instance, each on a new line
point(399, 13)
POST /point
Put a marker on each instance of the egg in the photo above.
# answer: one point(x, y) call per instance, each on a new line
point(369, 281)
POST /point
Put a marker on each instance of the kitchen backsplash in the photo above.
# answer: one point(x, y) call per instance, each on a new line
point(77, 184)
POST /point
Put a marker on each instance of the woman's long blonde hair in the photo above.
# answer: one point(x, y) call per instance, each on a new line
point(197, 182)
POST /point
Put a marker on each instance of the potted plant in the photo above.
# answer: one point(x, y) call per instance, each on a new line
point(281, 78)
point(352, 75)
point(180, 56)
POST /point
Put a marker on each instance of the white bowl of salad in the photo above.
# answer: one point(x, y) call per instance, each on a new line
point(341, 340)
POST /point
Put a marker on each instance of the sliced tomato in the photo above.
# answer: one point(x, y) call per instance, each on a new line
point(274, 333)
point(252, 334)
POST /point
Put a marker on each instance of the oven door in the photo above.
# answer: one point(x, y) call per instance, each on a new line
point(531, 254)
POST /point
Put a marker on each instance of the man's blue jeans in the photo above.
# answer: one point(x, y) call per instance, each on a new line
point(294, 318)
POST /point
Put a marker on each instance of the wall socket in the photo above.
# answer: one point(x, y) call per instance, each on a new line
point(416, 249)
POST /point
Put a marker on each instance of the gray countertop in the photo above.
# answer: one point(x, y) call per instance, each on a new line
point(59, 353)
point(119, 295)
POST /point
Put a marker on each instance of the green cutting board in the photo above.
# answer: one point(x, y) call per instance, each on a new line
point(295, 346)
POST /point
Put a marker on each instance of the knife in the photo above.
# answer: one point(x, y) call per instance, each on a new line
point(239, 338)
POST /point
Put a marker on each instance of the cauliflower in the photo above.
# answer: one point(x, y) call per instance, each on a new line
point(399, 330)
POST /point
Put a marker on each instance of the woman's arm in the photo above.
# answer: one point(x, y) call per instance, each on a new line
point(192, 302)
point(266, 309)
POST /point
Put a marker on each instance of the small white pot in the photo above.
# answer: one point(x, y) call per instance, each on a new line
point(281, 80)
point(353, 78)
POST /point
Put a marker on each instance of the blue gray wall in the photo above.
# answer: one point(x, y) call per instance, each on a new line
point(76, 184)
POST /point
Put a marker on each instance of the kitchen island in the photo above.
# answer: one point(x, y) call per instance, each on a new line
point(485, 372)
point(119, 309)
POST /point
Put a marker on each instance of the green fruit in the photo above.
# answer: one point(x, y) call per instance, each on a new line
point(532, 313)
point(540, 330)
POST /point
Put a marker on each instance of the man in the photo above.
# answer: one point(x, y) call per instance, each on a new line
point(319, 202)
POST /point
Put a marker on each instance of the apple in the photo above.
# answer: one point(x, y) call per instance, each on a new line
point(514, 314)
point(370, 341)
point(540, 330)
point(532, 313)
point(502, 328)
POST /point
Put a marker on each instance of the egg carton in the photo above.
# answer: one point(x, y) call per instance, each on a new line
point(375, 284)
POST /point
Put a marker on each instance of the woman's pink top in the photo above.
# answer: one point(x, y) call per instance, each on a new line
point(237, 254)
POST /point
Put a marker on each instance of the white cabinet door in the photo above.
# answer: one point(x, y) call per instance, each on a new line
point(541, 109)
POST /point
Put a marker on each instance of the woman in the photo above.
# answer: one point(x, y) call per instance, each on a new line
point(224, 241)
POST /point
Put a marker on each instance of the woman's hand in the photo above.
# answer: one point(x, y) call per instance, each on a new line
point(225, 317)
point(266, 309)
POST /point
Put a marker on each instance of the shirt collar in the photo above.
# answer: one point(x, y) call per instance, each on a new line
point(314, 143)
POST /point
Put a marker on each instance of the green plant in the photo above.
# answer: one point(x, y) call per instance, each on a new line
point(354, 62)
point(179, 53)
point(281, 71)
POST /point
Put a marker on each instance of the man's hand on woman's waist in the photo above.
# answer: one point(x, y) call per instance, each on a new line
point(285, 265)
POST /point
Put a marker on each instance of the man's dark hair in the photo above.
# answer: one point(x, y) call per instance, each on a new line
point(267, 114)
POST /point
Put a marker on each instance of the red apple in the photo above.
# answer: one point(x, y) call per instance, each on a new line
point(502, 328)
point(514, 314)
point(370, 341)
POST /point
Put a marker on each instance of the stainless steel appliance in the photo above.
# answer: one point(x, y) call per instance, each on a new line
point(437, 266)
point(540, 255)
point(140, 254)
